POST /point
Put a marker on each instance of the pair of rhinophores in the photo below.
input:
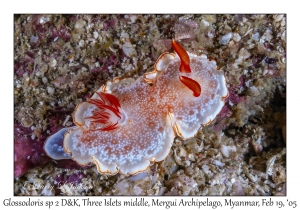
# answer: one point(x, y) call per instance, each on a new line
point(128, 124)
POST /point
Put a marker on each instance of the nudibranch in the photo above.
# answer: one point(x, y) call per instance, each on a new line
point(128, 124)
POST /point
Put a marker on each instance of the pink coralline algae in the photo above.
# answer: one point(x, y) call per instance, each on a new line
point(27, 153)
point(129, 124)
point(109, 24)
point(24, 65)
point(30, 153)
point(63, 32)
point(73, 178)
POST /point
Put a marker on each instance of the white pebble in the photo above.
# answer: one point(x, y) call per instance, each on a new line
point(255, 36)
point(278, 18)
point(133, 18)
point(227, 150)
point(204, 23)
point(45, 80)
point(236, 37)
point(226, 38)
point(50, 90)
point(79, 24)
point(81, 43)
point(129, 49)
point(52, 62)
point(95, 33)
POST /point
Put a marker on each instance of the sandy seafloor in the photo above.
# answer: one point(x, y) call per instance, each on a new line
point(61, 60)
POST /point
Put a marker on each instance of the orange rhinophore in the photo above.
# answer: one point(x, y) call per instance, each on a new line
point(191, 84)
point(129, 124)
point(184, 57)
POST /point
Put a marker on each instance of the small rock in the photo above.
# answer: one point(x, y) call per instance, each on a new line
point(226, 38)
point(50, 90)
point(52, 62)
point(128, 49)
point(95, 34)
point(81, 43)
point(227, 150)
point(236, 37)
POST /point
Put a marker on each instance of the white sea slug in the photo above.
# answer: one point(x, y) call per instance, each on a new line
point(127, 124)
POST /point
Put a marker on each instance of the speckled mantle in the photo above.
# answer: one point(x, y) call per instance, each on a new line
point(61, 60)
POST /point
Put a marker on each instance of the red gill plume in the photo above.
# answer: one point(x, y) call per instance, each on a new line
point(109, 111)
